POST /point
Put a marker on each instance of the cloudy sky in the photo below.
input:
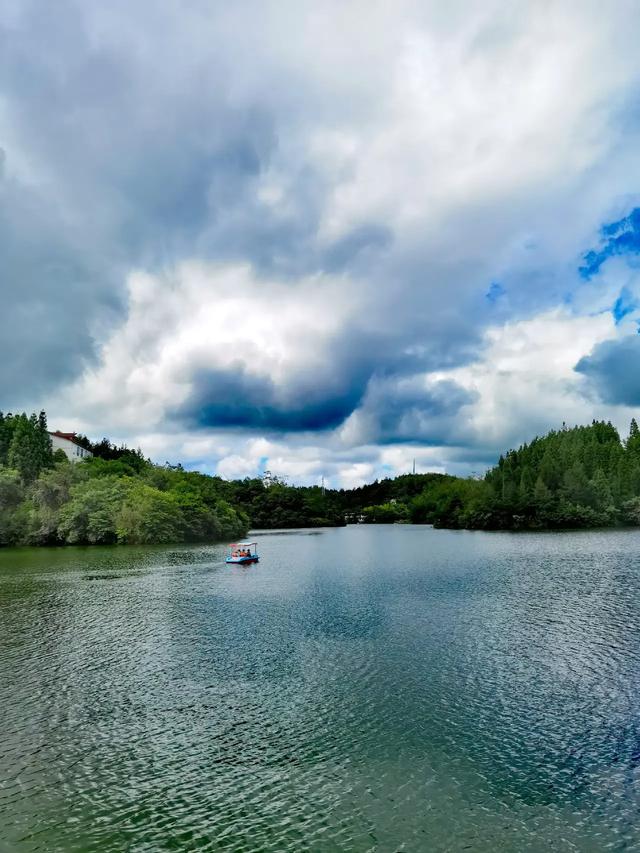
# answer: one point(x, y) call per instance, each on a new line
point(320, 238)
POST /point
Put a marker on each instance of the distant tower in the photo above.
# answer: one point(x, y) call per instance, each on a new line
point(323, 485)
point(414, 466)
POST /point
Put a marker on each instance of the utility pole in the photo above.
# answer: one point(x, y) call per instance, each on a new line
point(323, 485)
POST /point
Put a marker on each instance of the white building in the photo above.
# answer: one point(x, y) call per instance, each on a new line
point(67, 441)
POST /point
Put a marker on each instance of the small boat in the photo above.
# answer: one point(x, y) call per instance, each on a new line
point(243, 552)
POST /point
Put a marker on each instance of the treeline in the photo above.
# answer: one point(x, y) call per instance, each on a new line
point(105, 449)
point(401, 499)
point(570, 478)
point(581, 477)
point(116, 497)
point(270, 503)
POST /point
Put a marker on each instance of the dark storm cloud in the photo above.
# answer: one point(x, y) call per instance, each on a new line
point(407, 410)
point(49, 295)
point(309, 399)
point(356, 369)
point(613, 371)
point(236, 398)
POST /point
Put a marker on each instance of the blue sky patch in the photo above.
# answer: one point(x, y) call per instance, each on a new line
point(618, 238)
point(624, 305)
point(496, 290)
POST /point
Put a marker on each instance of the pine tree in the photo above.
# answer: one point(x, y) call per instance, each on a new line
point(576, 485)
point(527, 484)
point(30, 448)
point(4, 444)
point(633, 442)
point(550, 471)
point(44, 441)
point(7, 424)
point(541, 494)
point(601, 490)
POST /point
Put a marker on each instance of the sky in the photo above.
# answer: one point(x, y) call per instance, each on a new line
point(324, 239)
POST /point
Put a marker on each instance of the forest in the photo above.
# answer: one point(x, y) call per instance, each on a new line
point(116, 496)
point(579, 477)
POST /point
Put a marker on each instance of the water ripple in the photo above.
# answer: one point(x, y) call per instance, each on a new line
point(366, 689)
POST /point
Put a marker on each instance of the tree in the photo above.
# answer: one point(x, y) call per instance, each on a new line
point(29, 449)
point(50, 493)
point(631, 512)
point(6, 434)
point(541, 493)
point(13, 518)
point(527, 484)
point(601, 491)
point(90, 516)
point(148, 515)
point(44, 441)
point(576, 485)
point(24, 450)
point(633, 442)
point(384, 513)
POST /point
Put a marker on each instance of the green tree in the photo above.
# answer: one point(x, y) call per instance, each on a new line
point(148, 515)
point(576, 485)
point(601, 491)
point(13, 512)
point(633, 442)
point(541, 493)
point(29, 450)
point(387, 513)
point(50, 493)
point(6, 434)
point(630, 512)
point(92, 512)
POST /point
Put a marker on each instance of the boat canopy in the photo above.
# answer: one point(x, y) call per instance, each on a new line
point(249, 547)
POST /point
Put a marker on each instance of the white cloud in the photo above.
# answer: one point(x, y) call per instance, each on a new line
point(492, 109)
point(484, 142)
point(526, 382)
point(205, 317)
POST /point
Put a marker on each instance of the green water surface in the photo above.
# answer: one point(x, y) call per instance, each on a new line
point(360, 689)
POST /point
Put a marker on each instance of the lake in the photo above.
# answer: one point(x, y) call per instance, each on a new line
point(360, 689)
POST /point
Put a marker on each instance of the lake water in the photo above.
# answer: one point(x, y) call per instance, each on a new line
point(361, 689)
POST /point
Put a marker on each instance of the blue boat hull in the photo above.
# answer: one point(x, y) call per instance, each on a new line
point(242, 559)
